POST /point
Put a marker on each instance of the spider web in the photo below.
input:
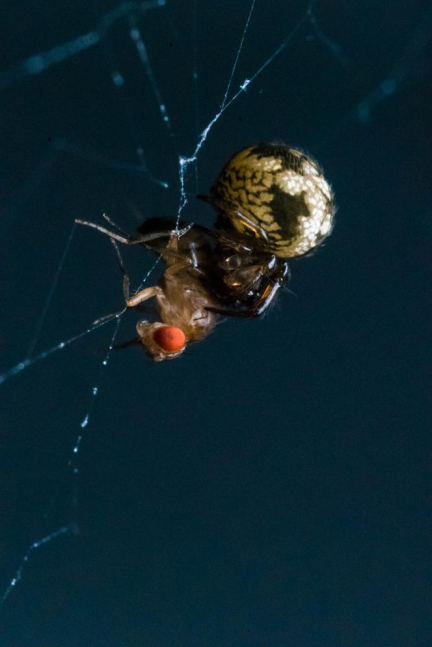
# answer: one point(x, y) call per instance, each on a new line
point(160, 129)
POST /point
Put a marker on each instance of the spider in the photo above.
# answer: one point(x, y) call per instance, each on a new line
point(273, 204)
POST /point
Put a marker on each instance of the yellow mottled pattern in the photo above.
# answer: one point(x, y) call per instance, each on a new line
point(255, 190)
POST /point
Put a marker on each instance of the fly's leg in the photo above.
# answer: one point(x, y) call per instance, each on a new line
point(142, 295)
point(127, 239)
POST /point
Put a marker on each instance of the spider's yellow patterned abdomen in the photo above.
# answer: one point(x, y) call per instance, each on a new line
point(279, 194)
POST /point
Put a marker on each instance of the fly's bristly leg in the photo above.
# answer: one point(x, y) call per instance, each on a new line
point(127, 239)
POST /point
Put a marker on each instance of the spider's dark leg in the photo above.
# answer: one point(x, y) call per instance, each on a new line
point(204, 198)
point(256, 310)
point(250, 226)
point(279, 278)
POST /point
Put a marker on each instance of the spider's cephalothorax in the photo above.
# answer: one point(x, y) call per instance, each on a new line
point(277, 194)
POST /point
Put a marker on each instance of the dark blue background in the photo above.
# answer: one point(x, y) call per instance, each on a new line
point(268, 488)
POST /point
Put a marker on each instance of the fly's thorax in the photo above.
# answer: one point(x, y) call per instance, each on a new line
point(183, 303)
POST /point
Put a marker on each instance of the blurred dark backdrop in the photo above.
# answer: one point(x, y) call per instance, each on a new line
point(267, 489)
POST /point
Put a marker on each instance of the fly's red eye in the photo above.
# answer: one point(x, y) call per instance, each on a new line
point(170, 338)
